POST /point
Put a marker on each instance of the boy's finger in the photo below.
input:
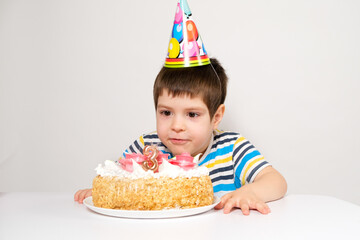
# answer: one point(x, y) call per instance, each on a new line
point(219, 206)
point(223, 201)
point(262, 208)
point(82, 196)
point(265, 209)
point(230, 204)
point(88, 193)
point(76, 197)
point(245, 208)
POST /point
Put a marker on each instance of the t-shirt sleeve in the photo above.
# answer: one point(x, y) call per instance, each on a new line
point(248, 162)
point(136, 147)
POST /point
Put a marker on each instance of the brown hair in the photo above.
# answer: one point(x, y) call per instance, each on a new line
point(209, 82)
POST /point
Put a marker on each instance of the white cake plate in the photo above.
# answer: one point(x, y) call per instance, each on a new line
point(169, 213)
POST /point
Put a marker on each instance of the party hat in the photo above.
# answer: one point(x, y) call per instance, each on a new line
point(186, 48)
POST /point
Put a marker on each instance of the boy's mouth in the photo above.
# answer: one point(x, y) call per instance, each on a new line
point(178, 141)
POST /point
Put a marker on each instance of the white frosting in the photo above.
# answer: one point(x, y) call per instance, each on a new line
point(109, 169)
point(166, 169)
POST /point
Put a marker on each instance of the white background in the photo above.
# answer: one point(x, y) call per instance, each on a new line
point(76, 82)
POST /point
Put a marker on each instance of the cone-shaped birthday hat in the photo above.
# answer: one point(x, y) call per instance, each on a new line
point(186, 49)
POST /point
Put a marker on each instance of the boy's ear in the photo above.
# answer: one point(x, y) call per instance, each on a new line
point(218, 116)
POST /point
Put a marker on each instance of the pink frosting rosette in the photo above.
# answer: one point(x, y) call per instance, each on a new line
point(127, 163)
point(185, 161)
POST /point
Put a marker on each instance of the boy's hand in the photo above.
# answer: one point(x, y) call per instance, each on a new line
point(268, 185)
point(82, 194)
point(244, 199)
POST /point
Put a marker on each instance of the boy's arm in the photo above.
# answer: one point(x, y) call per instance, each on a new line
point(268, 185)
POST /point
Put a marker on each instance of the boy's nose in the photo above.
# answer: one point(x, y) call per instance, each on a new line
point(177, 124)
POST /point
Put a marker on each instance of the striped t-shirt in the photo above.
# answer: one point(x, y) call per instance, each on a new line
point(231, 159)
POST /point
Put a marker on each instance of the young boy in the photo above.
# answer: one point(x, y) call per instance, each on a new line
point(189, 104)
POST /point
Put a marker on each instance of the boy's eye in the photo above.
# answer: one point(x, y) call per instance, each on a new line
point(165, 113)
point(193, 114)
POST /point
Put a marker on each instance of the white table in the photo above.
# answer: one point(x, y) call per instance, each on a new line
point(57, 216)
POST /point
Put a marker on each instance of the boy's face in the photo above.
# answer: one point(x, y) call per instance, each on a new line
point(183, 123)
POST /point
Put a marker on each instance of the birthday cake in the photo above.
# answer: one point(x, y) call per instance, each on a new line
point(151, 181)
